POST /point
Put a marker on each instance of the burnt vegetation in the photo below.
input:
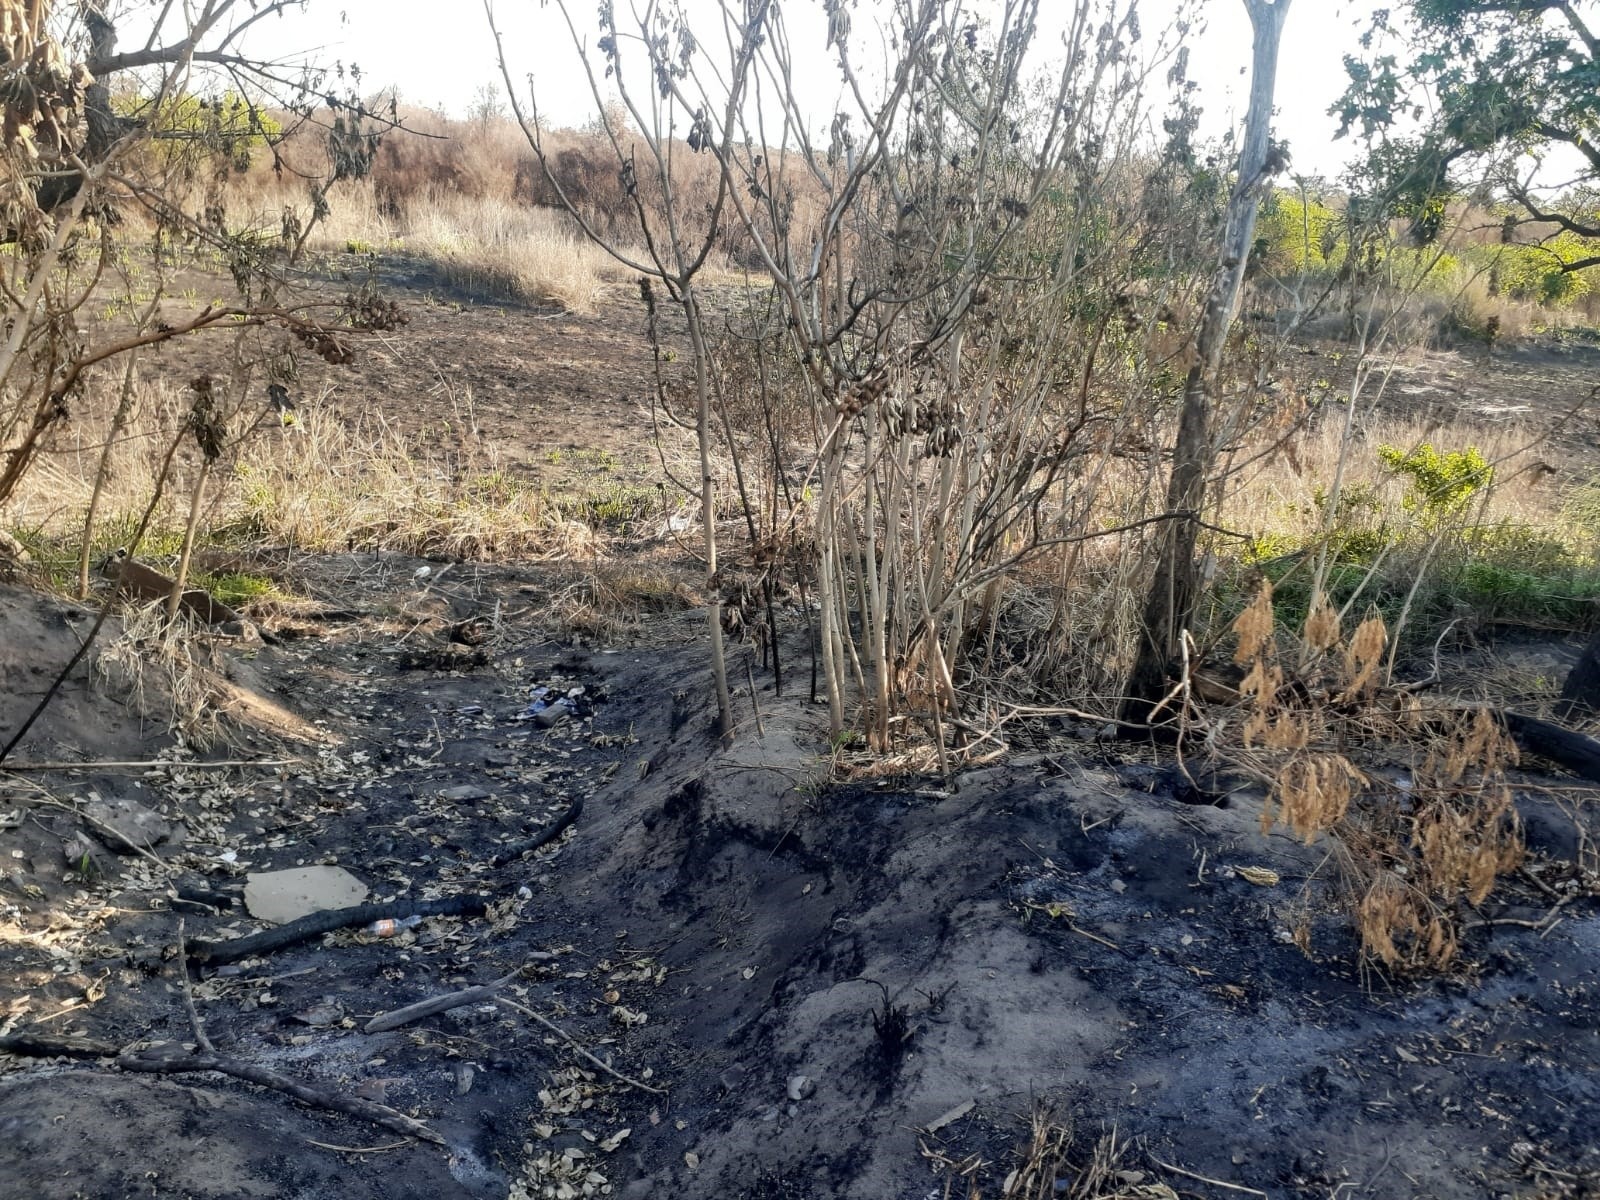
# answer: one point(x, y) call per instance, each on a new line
point(1034, 558)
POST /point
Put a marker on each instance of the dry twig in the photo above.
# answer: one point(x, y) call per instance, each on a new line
point(573, 1042)
point(395, 1018)
point(188, 994)
point(1232, 1187)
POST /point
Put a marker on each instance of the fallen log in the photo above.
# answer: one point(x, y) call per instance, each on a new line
point(1577, 752)
point(27, 1045)
point(317, 924)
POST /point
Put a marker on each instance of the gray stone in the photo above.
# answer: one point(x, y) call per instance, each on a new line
point(475, 752)
point(125, 825)
point(283, 896)
point(464, 793)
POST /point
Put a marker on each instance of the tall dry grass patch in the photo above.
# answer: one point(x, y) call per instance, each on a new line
point(488, 246)
point(325, 482)
point(470, 198)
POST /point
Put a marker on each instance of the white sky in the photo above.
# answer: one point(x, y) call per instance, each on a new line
point(441, 63)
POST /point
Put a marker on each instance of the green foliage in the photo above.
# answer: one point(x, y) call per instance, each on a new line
point(1485, 83)
point(614, 505)
point(1581, 510)
point(1442, 483)
point(1538, 272)
point(235, 588)
point(1296, 235)
point(1496, 571)
point(228, 123)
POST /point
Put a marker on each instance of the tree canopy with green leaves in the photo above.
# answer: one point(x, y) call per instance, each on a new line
point(1483, 90)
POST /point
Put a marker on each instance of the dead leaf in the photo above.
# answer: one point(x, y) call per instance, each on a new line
point(1260, 876)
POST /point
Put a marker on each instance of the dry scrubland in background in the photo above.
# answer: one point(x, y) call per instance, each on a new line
point(959, 499)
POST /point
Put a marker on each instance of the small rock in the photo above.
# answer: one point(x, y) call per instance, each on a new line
point(801, 1086)
point(1118, 886)
point(475, 752)
point(464, 1078)
point(320, 1015)
point(731, 1079)
point(124, 825)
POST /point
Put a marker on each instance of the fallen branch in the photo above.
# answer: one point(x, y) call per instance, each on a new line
point(164, 1063)
point(517, 849)
point(357, 1149)
point(27, 1045)
point(150, 764)
point(317, 924)
point(188, 995)
point(1232, 1187)
point(573, 1042)
point(394, 1019)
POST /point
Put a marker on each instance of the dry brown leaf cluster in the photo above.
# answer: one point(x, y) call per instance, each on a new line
point(1412, 851)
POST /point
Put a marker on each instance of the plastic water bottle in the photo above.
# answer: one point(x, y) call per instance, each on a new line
point(389, 926)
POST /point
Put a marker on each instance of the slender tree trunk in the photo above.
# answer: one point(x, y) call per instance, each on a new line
point(180, 577)
point(1174, 589)
point(708, 510)
point(118, 420)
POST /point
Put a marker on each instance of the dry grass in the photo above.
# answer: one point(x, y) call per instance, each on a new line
point(324, 483)
point(1283, 495)
point(334, 483)
point(610, 600)
point(488, 246)
point(160, 671)
point(1051, 1163)
point(470, 198)
point(498, 248)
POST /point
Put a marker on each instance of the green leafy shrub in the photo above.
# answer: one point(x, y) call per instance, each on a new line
point(228, 123)
point(1295, 234)
point(1442, 483)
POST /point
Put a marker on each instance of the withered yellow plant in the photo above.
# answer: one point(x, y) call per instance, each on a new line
point(1363, 656)
point(1322, 630)
point(1312, 793)
point(1411, 853)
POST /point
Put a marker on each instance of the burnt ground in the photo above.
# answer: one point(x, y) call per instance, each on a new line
point(726, 921)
